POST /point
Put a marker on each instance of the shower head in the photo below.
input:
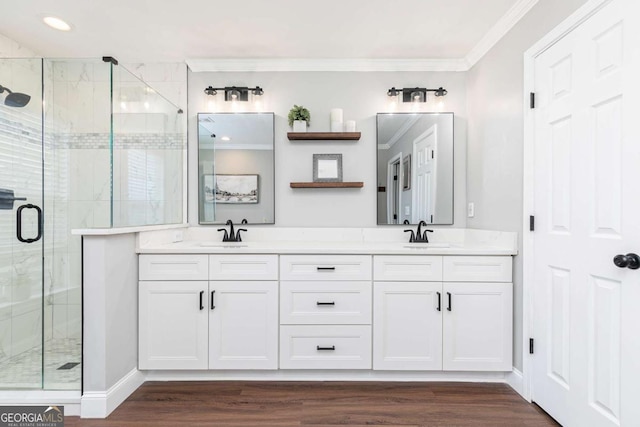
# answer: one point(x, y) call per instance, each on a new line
point(15, 99)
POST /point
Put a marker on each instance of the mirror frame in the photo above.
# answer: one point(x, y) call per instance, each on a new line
point(453, 161)
point(201, 177)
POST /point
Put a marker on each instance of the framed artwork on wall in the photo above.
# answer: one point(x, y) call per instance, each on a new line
point(327, 168)
point(233, 189)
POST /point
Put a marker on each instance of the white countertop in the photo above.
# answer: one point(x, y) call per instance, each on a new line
point(331, 241)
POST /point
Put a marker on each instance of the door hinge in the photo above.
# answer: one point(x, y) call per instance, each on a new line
point(532, 100)
point(395, 178)
point(395, 216)
point(530, 345)
point(532, 223)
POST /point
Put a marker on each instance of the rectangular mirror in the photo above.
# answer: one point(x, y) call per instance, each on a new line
point(415, 168)
point(236, 168)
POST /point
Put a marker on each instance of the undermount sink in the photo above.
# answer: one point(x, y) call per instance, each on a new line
point(426, 245)
point(223, 244)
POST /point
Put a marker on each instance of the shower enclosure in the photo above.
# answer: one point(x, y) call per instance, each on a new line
point(83, 144)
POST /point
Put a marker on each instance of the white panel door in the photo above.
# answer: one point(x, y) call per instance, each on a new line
point(477, 326)
point(173, 325)
point(243, 325)
point(424, 176)
point(587, 169)
point(407, 326)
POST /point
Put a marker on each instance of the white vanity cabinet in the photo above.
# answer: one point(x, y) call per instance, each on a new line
point(243, 316)
point(208, 312)
point(325, 312)
point(173, 315)
point(429, 320)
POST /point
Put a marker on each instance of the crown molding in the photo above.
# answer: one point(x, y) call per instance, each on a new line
point(499, 30)
point(293, 64)
point(400, 132)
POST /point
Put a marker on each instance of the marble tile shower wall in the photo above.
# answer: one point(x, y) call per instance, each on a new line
point(20, 269)
point(20, 158)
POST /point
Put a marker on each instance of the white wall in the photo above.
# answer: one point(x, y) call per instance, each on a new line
point(361, 96)
point(110, 305)
point(496, 126)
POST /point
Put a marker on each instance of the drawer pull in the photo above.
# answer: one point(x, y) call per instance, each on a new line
point(326, 303)
point(326, 268)
point(201, 303)
point(332, 348)
point(449, 297)
point(213, 305)
point(439, 301)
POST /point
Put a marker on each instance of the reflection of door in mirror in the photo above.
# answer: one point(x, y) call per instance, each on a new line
point(425, 176)
point(236, 167)
point(394, 193)
point(417, 148)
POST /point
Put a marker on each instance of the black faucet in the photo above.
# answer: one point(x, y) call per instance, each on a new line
point(419, 236)
point(232, 235)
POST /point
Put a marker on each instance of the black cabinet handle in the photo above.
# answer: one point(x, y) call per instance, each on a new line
point(201, 300)
point(19, 223)
point(449, 298)
point(326, 268)
point(439, 301)
point(332, 348)
point(325, 303)
point(213, 305)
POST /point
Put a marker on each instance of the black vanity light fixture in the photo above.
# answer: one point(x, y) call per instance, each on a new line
point(235, 93)
point(415, 94)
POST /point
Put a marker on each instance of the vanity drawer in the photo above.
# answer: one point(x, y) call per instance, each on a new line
point(325, 347)
point(173, 267)
point(243, 267)
point(420, 268)
point(325, 267)
point(477, 268)
point(337, 303)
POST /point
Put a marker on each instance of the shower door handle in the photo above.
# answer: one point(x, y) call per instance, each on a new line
point(19, 223)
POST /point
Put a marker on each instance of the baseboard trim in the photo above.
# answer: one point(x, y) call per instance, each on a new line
point(99, 404)
point(516, 381)
point(325, 375)
point(69, 399)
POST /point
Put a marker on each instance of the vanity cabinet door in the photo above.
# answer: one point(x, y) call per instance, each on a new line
point(173, 325)
point(477, 326)
point(243, 325)
point(407, 326)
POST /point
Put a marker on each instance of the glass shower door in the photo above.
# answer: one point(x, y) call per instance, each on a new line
point(21, 222)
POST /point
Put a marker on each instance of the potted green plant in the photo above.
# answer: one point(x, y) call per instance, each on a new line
point(299, 118)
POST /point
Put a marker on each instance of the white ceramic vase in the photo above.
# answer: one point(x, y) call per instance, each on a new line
point(299, 125)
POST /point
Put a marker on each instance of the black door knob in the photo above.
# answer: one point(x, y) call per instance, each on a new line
point(631, 261)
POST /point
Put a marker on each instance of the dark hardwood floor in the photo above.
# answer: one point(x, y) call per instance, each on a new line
point(274, 404)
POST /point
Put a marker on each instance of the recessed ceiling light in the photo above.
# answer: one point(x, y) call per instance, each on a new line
point(225, 138)
point(56, 23)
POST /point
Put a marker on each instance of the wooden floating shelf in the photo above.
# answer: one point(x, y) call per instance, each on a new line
point(323, 136)
point(327, 184)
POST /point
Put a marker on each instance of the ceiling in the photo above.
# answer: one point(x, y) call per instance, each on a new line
point(169, 30)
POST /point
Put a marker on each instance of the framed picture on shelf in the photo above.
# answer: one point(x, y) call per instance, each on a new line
point(232, 189)
point(327, 168)
point(406, 173)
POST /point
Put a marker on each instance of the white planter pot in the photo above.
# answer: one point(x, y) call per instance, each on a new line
point(299, 126)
